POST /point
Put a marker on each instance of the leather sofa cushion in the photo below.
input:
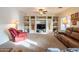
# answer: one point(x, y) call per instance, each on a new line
point(75, 35)
point(70, 42)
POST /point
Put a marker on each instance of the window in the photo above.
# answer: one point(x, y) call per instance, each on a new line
point(65, 23)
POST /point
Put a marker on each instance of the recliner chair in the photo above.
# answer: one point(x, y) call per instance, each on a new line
point(18, 35)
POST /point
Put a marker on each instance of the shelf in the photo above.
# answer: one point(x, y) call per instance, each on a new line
point(26, 23)
point(55, 23)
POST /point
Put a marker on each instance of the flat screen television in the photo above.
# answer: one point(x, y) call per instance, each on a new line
point(41, 26)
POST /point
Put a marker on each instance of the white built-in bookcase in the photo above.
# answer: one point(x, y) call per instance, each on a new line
point(30, 23)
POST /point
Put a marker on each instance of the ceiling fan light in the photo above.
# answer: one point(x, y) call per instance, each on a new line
point(40, 9)
point(45, 10)
point(41, 13)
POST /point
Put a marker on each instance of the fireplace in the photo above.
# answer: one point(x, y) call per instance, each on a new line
point(41, 28)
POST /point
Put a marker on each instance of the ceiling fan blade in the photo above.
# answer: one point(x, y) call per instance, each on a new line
point(44, 12)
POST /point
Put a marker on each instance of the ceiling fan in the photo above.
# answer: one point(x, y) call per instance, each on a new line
point(41, 11)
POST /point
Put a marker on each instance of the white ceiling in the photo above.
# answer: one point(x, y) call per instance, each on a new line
point(33, 10)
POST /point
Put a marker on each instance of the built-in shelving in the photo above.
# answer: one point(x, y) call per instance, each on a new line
point(55, 23)
point(32, 22)
point(45, 23)
point(49, 20)
point(26, 23)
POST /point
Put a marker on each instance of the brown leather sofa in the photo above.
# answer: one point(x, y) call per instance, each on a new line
point(74, 35)
point(73, 32)
point(70, 40)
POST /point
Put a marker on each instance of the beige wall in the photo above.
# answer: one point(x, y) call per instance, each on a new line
point(69, 11)
point(7, 15)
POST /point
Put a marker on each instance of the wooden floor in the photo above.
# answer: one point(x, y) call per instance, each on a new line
point(46, 41)
point(37, 43)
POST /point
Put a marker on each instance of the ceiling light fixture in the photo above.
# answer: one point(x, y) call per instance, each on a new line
point(42, 11)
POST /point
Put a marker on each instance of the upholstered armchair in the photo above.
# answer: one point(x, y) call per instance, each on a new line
point(17, 35)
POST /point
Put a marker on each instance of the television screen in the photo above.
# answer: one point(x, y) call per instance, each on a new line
point(41, 26)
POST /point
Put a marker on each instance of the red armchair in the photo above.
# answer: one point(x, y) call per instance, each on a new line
point(18, 35)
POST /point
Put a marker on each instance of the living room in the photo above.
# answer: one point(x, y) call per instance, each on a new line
point(40, 28)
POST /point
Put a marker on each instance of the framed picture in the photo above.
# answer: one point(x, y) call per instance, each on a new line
point(72, 16)
point(77, 16)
